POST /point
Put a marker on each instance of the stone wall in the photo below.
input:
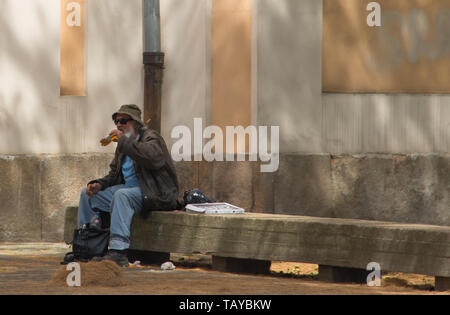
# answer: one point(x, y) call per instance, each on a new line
point(36, 189)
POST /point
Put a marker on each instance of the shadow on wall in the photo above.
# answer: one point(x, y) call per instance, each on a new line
point(34, 116)
point(385, 123)
point(115, 64)
point(35, 120)
point(396, 187)
point(289, 95)
point(185, 79)
point(369, 187)
point(374, 122)
point(23, 81)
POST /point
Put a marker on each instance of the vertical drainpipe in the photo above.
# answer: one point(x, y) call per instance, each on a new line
point(153, 64)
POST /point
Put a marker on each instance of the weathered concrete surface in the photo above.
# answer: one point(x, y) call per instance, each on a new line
point(263, 191)
point(303, 185)
point(36, 189)
point(398, 188)
point(411, 248)
point(20, 198)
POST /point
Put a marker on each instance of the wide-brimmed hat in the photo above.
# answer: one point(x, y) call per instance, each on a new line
point(131, 110)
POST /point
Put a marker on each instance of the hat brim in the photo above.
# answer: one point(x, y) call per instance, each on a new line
point(137, 119)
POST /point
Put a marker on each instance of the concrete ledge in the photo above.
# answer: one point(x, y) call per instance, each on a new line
point(409, 248)
point(341, 247)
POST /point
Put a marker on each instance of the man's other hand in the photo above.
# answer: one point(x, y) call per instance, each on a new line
point(93, 189)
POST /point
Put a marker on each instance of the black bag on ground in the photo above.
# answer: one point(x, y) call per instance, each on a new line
point(88, 243)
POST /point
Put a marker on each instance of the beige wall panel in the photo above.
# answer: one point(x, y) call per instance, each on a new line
point(289, 43)
point(29, 76)
point(114, 66)
point(408, 53)
point(186, 42)
point(72, 79)
point(231, 63)
point(288, 84)
point(382, 123)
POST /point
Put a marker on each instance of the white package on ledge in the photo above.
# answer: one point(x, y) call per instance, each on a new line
point(214, 208)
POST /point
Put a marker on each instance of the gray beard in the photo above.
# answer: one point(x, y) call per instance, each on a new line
point(130, 134)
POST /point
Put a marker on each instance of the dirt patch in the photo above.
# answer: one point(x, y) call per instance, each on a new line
point(194, 276)
point(416, 281)
point(104, 274)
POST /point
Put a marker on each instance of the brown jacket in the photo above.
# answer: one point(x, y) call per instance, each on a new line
point(154, 170)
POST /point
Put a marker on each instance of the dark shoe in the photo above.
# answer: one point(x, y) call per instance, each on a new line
point(68, 258)
point(117, 256)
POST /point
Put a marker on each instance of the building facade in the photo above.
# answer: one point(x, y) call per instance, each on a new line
point(363, 111)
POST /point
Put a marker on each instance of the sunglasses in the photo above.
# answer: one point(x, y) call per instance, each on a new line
point(122, 121)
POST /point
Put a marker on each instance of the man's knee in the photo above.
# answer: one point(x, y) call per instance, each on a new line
point(120, 193)
point(128, 197)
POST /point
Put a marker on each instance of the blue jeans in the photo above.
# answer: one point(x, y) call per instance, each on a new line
point(121, 202)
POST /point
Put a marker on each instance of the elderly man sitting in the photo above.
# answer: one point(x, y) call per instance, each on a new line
point(142, 178)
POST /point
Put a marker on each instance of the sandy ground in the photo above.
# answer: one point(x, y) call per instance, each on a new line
point(29, 269)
